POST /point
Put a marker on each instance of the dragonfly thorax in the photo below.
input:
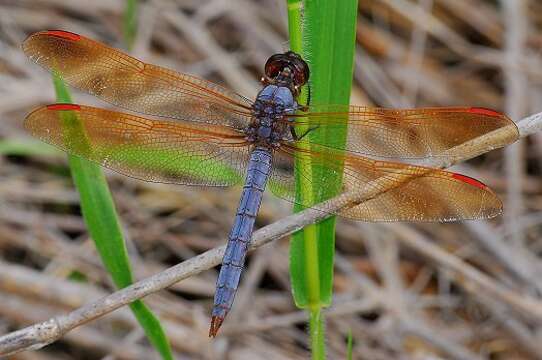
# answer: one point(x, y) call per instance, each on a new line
point(272, 105)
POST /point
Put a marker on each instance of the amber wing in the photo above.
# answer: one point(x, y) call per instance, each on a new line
point(132, 84)
point(151, 150)
point(385, 191)
point(402, 134)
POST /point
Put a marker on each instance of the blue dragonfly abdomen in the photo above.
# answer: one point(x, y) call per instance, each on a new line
point(241, 233)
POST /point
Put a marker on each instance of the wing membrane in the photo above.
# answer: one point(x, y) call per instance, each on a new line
point(402, 134)
point(132, 84)
point(395, 191)
point(157, 151)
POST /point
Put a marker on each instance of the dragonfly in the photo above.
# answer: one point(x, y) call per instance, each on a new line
point(199, 133)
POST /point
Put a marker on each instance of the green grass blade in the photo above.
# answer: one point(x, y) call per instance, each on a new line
point(328, 38)
point(349, 346)
point(129, 23)
point(103, 225)
point(27, 147)
point(323, 32)
point(153, 328)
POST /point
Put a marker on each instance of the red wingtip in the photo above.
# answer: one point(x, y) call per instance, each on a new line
point(469, 180)
point(63, 107)
point(216, 323)
point(63, 34)
point(484, 111)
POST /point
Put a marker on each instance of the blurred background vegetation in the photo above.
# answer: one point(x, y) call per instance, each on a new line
point(395, 290)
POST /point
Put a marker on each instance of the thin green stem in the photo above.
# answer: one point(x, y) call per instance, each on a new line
point(318, 344)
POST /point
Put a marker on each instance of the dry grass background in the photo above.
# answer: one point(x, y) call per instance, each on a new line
point(406, 291)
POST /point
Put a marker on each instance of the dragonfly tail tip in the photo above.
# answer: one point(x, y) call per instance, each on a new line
point(216, 322)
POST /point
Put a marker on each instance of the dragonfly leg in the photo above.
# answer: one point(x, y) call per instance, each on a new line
point(306, 106)
point(299, 137)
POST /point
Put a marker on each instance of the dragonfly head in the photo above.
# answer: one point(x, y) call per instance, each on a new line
point(287, 69)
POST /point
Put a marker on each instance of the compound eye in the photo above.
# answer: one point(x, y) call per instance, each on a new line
point(300, 69)
point(274, 65)
point(289, 60)
point(301, 75)
point(272, 70)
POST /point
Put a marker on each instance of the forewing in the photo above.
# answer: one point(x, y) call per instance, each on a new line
point(132, 84)
point(151, 150)
point(387, 191)
point(401, 134)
